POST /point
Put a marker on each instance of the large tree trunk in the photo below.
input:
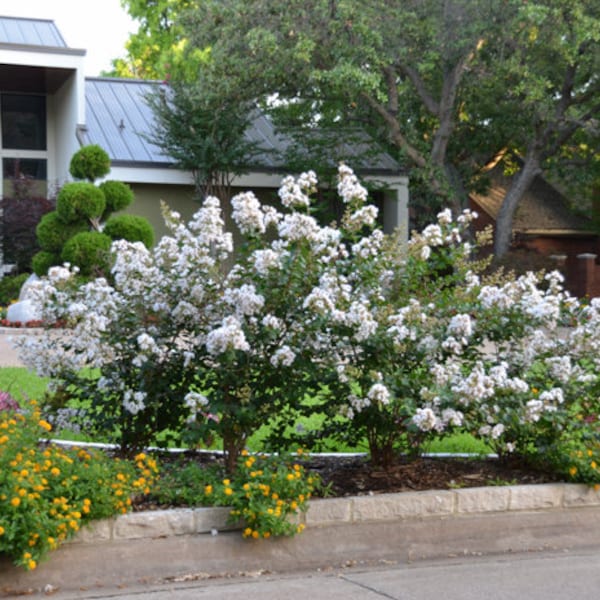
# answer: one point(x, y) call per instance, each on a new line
point(520, 184)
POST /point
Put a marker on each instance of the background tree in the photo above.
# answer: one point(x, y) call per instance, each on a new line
point(451, 87)
point(159, 39)
point(203, 134)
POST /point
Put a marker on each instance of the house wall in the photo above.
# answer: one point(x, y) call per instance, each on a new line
point(180, 198)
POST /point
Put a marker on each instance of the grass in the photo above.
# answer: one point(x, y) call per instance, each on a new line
point(22, 384)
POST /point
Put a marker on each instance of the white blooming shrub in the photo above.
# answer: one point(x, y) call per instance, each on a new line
point(196, 339)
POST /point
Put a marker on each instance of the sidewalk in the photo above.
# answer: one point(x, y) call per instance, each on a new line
point(539, 576)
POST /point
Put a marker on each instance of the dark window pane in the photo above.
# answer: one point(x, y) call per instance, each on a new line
point(23, 122)
point(24, 175)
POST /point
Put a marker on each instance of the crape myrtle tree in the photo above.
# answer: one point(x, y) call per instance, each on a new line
point(82, 227)
point(188, 340)
point(453, 87)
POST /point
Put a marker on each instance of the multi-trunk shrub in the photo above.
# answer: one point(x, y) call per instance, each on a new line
point(394, 343)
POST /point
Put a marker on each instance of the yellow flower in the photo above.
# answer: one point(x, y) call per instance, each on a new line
point(208, 489)
point(255, 535)
point(572, 471)
point(55, 471)
point(228, 491)
point(247, 532)
point(16, 501)
point(31, 564)
point(45, 425)
point(2, 530)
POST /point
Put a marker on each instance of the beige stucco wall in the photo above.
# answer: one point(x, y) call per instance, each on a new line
point(180, 198)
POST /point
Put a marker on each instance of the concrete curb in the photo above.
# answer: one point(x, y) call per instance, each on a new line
point(170, 544)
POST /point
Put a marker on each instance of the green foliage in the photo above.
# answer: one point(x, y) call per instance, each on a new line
point(156, 47)
point(90, 162)
point(47, 493)
point(88, 250)
point(78, 201)
point(264, 492)
point(203, 135)
point(118, 195)
point(42, 261)
point(131, 228)
point(10, 287)
point(52, 232)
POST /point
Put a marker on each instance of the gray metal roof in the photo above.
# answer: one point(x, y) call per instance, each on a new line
point(120, 121)
point(30, 32)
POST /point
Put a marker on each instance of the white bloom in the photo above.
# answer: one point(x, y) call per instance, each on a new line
point(348, 186)
point(247, 214)
point(265, 260)
point(244, 300)
point(133, 402)
point(379, 393)
point(195, 401)
point(230, 336)
point(425, 419)
point(283, 357)
point(444, 217)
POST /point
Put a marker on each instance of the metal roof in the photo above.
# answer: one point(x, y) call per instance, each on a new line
point(30, 32)
point(120, 121)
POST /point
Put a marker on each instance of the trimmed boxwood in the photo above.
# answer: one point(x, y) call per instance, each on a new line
point(131, 228)
point(90, 162)
point(118, 195)
point(80, 200)
point(89, 250)
point(43, 260)
point(52, 232)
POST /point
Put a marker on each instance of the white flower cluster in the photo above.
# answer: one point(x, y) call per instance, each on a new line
point(294, 193)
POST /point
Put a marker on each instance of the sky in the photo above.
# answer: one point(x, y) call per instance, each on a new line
point(99, 26)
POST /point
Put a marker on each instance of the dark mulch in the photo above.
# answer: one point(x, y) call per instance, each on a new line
point(355, 475)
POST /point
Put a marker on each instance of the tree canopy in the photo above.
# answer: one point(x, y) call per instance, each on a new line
point(450, 87)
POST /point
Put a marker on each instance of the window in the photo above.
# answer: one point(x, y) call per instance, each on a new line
point(23, 122)
point(24, 141)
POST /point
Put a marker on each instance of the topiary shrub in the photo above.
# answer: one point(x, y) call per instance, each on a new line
point(131, 228)
point(52, 232)
point(90, 162)
point(118, 195)
point(89, 251)
point(81, 208)
point(78, 201)
point(43, 260)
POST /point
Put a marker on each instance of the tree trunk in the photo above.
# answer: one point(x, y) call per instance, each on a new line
point(520, 184)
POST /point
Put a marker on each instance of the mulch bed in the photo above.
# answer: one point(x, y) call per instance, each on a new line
point(355, 475)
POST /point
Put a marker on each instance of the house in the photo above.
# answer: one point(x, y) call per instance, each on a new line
point(546, 227)
point(49, 110)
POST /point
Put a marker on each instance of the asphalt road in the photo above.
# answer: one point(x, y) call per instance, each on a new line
point(534, 576)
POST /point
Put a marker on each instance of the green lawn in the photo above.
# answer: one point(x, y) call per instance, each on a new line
point(23, 384)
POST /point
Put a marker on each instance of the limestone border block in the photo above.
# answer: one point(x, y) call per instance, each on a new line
point(536, 496)
point(482, 500)
point(152, 524)
point(580, 495)
point(328, 511)
point(403, 505)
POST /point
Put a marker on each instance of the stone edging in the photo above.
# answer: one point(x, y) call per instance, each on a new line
point(353, 510)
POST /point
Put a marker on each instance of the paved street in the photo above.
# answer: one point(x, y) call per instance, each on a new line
point(533, 576)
